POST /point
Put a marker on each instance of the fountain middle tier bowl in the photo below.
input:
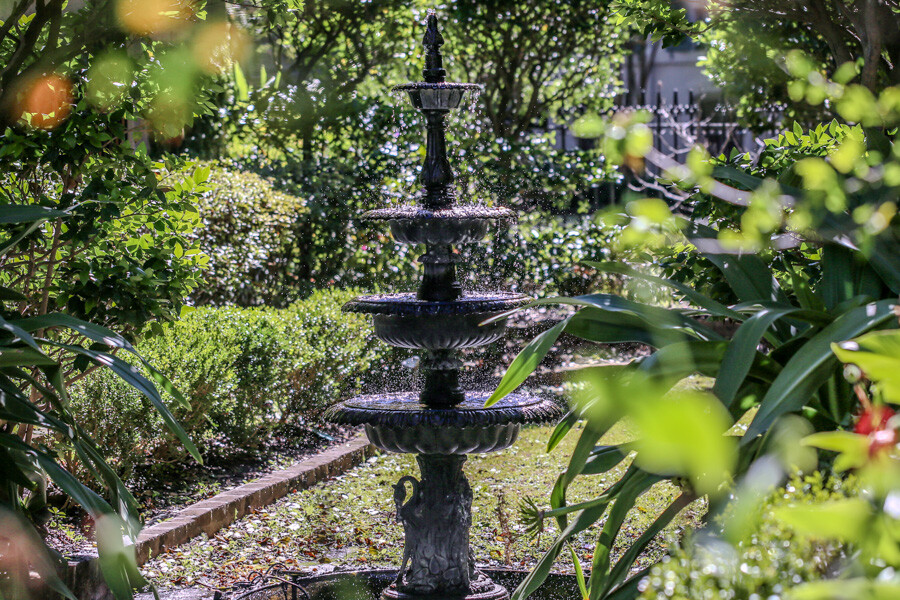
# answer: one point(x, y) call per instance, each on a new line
point(400, 423)
point(405, 321)
point(452, 225)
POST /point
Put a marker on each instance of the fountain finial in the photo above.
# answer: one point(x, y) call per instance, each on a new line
point(432, 40)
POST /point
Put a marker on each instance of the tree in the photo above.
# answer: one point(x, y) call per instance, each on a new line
point(93, 232)
point(749, 41)
point(536, 60)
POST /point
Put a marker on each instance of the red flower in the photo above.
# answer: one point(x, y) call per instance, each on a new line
point(873, 419)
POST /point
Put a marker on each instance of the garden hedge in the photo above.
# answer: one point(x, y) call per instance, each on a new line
point(268, 247)
point(245, 371)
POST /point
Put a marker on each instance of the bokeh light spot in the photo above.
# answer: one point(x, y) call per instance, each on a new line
point(153, 17)
point(218, 45)
point(109, 79)
point(45, 101)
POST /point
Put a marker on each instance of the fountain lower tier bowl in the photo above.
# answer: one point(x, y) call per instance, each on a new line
point(453, 225)
point(405, 321)
point(400, 423)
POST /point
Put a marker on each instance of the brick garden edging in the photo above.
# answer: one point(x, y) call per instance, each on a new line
point(210, 515)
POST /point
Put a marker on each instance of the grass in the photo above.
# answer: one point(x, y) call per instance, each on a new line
point(349, 521)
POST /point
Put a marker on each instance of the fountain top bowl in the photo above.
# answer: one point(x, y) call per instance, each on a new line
point(440, 85)
point(440, 96)
point(457, 212)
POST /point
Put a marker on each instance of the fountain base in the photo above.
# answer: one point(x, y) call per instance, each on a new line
point(481, 589)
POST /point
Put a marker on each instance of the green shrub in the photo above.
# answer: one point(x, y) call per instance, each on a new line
point(254, 236)
point(331, 358)
point(244, 371)
point(269, 248)
point(768, 562)
point(778, 161)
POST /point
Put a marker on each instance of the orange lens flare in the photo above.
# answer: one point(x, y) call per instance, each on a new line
point(45, 101)
point(153, 17)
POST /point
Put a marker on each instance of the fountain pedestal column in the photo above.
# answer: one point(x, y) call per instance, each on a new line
point(436, 516)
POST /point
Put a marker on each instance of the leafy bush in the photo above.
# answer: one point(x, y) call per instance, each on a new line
point(244, 371)
point(768, 561)
point(267, 247)
point(34, 405)
point(777, 161)
point(779, 359)
point(254, 236)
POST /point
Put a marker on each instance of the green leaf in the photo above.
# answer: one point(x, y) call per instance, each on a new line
point(625, 501)
point(117, 560)
point(579, 573)
point(11, 294)
point(580, 455)
point(131, 375)
point(842, 589)
point(241, 83)
point(585, 519)
point(27, 213)
point(25, 357)
point(562, 429)
point(853, 448)
point(602, 459)
point(812, 364)
point(878, 355)
point(845, 519)
point(678, 360)
point(695, 297)
point(747, 275)
point(619, 308)
point(606, 327)
point(526, 362)
point(742, 352)
point(683, 433)
point(93, 504)
point(624, 565)
point(96, 333)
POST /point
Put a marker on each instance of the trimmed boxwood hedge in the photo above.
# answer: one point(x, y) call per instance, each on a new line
point(244, 371)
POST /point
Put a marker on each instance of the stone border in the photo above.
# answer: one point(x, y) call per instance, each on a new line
point(209, 516)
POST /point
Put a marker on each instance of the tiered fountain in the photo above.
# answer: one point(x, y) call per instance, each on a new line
point(442, 423)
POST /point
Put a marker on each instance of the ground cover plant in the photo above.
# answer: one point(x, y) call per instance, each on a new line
point(349, 521)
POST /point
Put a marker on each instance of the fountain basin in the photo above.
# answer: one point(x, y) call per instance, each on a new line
point(369, 584)
point(401, 423)
point(441, 96)
point(445, 332)
point(404, 320)
point(443, 440)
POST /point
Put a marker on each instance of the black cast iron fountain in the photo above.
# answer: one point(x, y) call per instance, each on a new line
point(442, 423)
